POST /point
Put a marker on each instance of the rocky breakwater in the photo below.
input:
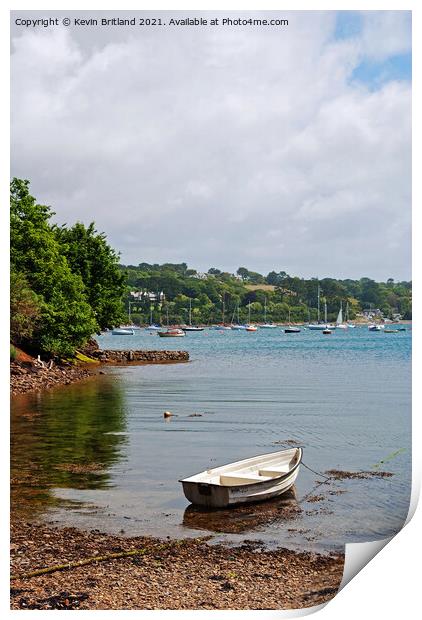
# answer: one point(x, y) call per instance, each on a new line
point(139, 357)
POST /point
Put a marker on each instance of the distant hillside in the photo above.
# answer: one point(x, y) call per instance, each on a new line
point(219, 296)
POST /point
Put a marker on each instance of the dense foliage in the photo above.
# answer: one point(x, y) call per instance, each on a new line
point(274, 297)
point(89, 255)
point(57, 278)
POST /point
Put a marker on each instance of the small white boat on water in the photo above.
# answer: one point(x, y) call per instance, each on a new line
point(320, 326)
point(220, 327)
point(152, 328)
point(250, 480)
point(123, 331)
point(375, 328)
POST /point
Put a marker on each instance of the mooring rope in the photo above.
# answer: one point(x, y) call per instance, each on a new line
point(318, 473)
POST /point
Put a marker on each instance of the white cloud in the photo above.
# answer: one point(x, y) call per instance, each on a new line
point(385, 33)
point(195, 144)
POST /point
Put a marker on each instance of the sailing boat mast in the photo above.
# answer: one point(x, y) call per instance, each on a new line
point(190, 311)
point(325, 311)
point(319, 290)
point(265, 309)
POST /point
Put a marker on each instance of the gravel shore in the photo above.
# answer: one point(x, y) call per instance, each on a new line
point(29, 378)
point(148, 573)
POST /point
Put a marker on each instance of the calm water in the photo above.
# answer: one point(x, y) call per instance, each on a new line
point(345, 398)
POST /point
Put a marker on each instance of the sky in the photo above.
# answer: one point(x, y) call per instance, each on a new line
point(273, 147)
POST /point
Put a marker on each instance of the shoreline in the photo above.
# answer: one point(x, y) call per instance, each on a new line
point(29, 375)
point(117, 572)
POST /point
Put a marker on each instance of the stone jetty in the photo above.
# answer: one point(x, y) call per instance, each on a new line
point(146, 357)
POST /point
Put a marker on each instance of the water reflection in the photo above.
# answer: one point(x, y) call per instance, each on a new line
point(65, 438)
point(244, 518)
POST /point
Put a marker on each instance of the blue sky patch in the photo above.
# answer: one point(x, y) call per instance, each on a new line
point(348, 25)
point(375, 74)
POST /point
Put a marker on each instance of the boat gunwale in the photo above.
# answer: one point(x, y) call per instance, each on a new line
point(248, 484)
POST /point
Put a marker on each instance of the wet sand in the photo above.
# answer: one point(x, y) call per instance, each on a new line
point(149, 573)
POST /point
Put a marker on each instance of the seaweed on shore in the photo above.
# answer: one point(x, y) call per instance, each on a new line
point(338, 474)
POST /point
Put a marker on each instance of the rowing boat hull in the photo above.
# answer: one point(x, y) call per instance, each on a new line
point(213, 496)
point(219, 496)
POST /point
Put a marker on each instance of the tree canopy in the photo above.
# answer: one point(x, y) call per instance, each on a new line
point(274, 297)
point(64, 274)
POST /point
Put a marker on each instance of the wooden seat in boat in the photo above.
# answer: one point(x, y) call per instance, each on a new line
point(233, 479)
point(275, 471)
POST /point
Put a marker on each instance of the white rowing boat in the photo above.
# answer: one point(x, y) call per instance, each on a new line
point(250, 480)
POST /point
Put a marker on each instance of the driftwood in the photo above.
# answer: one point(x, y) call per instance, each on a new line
point(78, 563)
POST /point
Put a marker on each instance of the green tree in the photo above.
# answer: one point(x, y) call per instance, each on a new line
point(25, 308)
point(89, 255)
point(66, 318)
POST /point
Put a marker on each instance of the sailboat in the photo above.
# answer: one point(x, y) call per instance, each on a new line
point(222, 326)
point(238, 324)
point(339, 321)
point(151, 327)
point(320, 326)
point(291, 329)
point(266, 325)
point(190, 327)
point(171, 332)
point(249, 326)
point(126, 330)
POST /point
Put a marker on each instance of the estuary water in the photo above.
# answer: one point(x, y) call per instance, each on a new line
point(100, 455)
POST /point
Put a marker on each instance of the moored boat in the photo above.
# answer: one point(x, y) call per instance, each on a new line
point(320, 326)
point(123, 331)
point(191, 328)
point(249, 326)
point(375, 328)
point(265, 324)
point(220, 327)
point(339, 320)
point(172, 333)
point(327, 331)
point(291, 330)
point(250, 480)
